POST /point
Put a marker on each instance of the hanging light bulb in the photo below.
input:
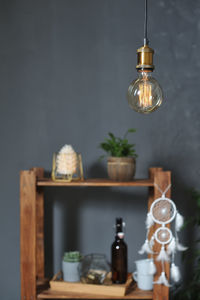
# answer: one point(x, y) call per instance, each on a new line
point(145, 94)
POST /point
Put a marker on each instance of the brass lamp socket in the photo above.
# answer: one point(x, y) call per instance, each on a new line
point(145, 58)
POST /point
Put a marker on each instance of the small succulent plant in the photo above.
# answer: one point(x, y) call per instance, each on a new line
point(73, 256)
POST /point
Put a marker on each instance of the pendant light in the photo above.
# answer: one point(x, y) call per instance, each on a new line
point(145, 94)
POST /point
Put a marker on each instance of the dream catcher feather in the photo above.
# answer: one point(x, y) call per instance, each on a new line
point(163, 211)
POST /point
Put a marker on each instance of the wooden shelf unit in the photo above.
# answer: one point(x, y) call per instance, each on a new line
point(33, 283)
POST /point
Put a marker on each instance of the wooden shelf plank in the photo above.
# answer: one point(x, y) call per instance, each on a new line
point(135, 294)
point(94, 182)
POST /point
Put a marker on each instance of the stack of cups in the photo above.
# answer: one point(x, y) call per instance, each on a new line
point(141, 276)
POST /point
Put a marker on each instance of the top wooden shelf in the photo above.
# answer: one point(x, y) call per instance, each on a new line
point(95, 182)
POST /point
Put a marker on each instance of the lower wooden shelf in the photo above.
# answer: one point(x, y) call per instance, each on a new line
point(134, 294)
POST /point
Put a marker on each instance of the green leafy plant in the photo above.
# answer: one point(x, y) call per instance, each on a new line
point(119, 147)
point(192, 290)
point(73, 256)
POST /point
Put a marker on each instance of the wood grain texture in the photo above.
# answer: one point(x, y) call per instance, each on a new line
point(28, 234)
point(39, 172)
point(162, 179)
point(135, 294)
point(121, 168)
point(42, 284)
point(57, 284)
point(95, 182)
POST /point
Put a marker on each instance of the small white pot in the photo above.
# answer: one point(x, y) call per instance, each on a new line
point(71, 271)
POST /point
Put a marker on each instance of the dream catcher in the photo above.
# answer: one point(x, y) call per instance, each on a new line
point(163, 211)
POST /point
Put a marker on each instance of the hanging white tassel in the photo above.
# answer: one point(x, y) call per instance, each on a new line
point(179, 246)
point(171, 247)
point(145, 248)
point(162, 255)
point(175, 273)
point(151, 242)
point(179, 221)
point(152, 267)
point(149, 221)
point(162, 280)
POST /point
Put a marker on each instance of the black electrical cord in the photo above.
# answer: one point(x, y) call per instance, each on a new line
point(146, 41)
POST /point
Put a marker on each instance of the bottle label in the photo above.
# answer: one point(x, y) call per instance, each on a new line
point(120, 235)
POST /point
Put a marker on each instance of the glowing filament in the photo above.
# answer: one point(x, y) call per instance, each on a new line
point(145, 94)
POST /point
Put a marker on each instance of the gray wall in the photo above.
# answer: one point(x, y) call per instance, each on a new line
point(64, 71)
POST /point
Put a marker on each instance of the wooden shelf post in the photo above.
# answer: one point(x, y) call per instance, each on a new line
point(162, 179)
point(31, 233)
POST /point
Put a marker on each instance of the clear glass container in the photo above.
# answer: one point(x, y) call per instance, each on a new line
point(94, 268)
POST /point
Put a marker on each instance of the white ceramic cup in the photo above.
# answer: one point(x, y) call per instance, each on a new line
point(143, 266)
point(141, 276)
point(144, 282)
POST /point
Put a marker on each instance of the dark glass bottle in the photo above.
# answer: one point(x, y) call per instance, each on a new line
point(119, 255)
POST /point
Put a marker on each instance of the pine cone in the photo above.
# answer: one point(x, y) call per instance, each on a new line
point(66, 160)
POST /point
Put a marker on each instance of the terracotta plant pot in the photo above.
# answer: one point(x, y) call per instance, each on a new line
point(121, 168)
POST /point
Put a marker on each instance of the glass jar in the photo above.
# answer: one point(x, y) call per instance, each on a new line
point(94, 269)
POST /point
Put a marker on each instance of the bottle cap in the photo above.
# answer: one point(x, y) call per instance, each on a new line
point(120, 235)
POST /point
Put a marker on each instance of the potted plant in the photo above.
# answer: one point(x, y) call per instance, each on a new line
point(121, 160)
point(70, 266)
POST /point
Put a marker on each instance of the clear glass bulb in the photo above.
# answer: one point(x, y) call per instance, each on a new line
point(144, 94)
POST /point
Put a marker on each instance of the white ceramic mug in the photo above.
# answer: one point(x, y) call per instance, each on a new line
point(142, 276)
point(143, 266)
point(144, 282)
